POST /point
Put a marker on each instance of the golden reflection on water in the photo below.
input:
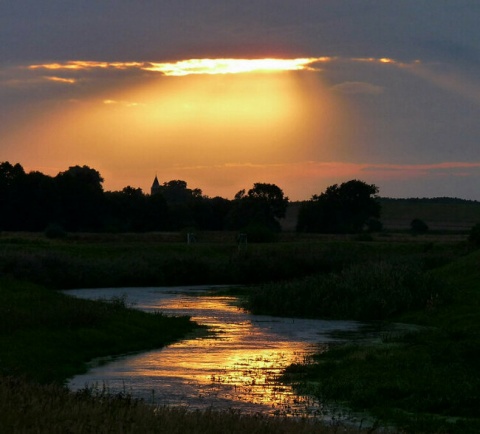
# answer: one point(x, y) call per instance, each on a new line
point(237, 366)
point(243, 357)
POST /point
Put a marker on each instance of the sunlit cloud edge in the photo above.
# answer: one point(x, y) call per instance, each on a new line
point(210, 66)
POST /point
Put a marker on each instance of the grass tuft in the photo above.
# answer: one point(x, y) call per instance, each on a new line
point(27, 407)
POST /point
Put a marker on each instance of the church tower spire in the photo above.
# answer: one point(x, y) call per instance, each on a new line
point(155, 186)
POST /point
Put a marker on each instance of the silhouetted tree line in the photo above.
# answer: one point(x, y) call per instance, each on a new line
point(74, 201)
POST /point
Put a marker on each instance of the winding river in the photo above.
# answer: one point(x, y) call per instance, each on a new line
point(235, 367)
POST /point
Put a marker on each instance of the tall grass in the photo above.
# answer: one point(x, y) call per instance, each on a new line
point(363, 291)
point(125, 261)
point(31, 408)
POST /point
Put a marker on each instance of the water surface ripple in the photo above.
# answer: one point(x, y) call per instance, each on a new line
point(236, 367)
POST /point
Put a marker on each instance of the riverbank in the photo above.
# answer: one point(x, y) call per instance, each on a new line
point(426, 381)
point(47, 336)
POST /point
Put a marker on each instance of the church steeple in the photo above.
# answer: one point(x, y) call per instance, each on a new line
point(155, 186)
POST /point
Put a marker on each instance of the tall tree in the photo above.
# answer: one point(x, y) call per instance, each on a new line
point(263, 205)
point(11, 179)
point(125, 210)
point(80, 192)
point(341, 208)
point(176, 191)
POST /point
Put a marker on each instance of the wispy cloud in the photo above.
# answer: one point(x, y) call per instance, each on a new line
point(122, 103)
point(448, 165)
point(61, 79)
point(305, 178)
point(358, 87)
point(77, 65)
point(384, 61)
point(327, 169)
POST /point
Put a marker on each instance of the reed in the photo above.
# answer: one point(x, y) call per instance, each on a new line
point(27, 407)
point(362, 291)
point(98, 260)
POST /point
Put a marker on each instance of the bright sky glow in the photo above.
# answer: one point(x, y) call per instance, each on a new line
point(233, 66)
point(217, 122)
point(193, 66)
point(226, 94)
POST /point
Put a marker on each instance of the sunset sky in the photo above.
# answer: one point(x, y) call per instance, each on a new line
point(223, 93)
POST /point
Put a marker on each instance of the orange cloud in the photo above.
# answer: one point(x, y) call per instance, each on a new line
point(193, 66)
point(61, 80)
point(214, 65)
point(85, 65)
point(383, 60)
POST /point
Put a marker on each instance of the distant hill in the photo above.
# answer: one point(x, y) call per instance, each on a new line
point(455, 200)
point(439, 213)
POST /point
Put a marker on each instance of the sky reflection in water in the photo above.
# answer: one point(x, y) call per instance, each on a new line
point(237, 367)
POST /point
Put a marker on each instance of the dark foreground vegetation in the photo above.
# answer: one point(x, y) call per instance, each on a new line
point(427, 381)
point(424, 380)
point(370, 290)
point(32, 408)
point(46, 336)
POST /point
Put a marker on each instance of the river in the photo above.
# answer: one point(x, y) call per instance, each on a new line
point(236, 367)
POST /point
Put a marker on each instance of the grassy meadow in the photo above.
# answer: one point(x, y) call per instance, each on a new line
point(419, 382)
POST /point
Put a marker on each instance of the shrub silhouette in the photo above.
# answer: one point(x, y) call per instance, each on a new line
point(474, 236)
point(55, 231)
point(418, 226)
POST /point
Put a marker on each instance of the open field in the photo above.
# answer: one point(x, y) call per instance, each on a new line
point(439, 216)
point(396, 214)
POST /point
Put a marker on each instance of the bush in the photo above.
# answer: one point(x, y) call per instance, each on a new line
point(418, 226)
point(474, 236)
point(258, 233)
point(55, 231)
point(374, 225)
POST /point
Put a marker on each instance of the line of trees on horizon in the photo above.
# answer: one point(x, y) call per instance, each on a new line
point(75, 201)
